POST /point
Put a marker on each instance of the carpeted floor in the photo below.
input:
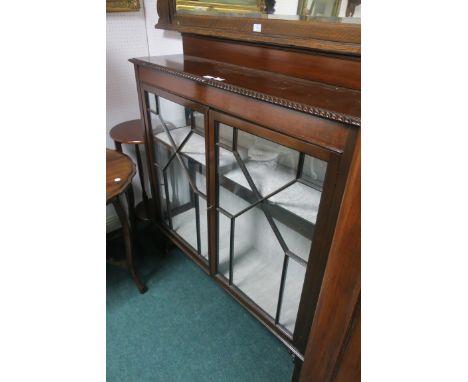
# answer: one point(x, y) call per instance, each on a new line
point(185, 328)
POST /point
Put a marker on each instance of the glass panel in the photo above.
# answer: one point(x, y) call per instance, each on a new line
point(295, 274)
point(199, 122)
point(194, 150)
point(179, 152)
point(177, 123)
point(270, 165)
point(187, 209)
point(257, 260)
point(300, 199)
point(234, 193)
point(178, 189)
point(162, 197)
point(224, 240)
point(273, 194)
point(296, 234)
point(225, 135)
point(203, 228)
point(152, 103)
point(328, 10)
point(314, 171)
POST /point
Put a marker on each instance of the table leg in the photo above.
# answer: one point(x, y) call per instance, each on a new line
point(118, 146)
point(131, 208)
point(142, 179)
point(127, 235)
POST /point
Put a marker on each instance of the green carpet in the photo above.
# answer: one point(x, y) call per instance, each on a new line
point(185, 328)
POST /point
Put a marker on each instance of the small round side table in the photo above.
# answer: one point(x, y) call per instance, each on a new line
point(132, 133)
point(120, 171)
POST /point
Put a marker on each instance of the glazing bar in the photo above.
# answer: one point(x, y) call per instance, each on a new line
point(231, 250)
point(263, 205)
point(315, 186)
point(300, 260)
point(281, 290)
point(300, 165)
point(179, 148)
point(168, 205)
point(197, 221)
point(224, 212)
point(177, 154)
point(265, 198)
point(234, 139)
point(224, 146)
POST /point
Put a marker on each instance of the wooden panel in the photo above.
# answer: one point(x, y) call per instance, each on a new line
point(326, 133)
point(327, 36)
point(344, 32)
point(341, 285)
point(339, 71)
point(349, 366)
point(354, 50)
point(164, 11)
point(315, 98)
point(273, 136)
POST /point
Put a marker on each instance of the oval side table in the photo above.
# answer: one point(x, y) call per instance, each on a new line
point(132, 133)
point(120, 171)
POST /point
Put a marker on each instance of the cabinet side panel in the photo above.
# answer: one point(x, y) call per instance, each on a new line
point(341, 285)
point(349, 365)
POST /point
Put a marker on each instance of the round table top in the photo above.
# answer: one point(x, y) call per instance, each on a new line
point(119, 173)
point(129, 132)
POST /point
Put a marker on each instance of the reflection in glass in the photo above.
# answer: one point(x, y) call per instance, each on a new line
point(179, 146)
point(268, 200)
point(335, 10)
point(257, 264)
point(295, 274)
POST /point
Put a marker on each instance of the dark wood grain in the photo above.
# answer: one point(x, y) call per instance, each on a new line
point(128, 132)
point(341, 71)
point(348, 367)
point(118, 166)
point(303, 100)
point(329, 36)
point(165, 11)
point(316, 98)
point(341, 285)
point(321, 246)
point(284, 140)
point(299, 125)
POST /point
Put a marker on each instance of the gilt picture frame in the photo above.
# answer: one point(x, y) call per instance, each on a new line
point(251, 6)
point(122, 5)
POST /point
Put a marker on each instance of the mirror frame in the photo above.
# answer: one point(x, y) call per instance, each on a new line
point(334, 37)
point(194, 4)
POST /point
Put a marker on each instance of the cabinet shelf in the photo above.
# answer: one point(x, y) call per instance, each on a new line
point(288, 205)
point(268, 179)
point(194, 148)
point(183, 225)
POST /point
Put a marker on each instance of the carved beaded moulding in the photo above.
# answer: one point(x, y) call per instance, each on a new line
point(315, 111)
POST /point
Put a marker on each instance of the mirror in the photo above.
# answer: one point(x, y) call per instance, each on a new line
point(348, 11)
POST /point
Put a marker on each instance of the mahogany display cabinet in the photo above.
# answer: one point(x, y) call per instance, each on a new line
point(254, 158)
